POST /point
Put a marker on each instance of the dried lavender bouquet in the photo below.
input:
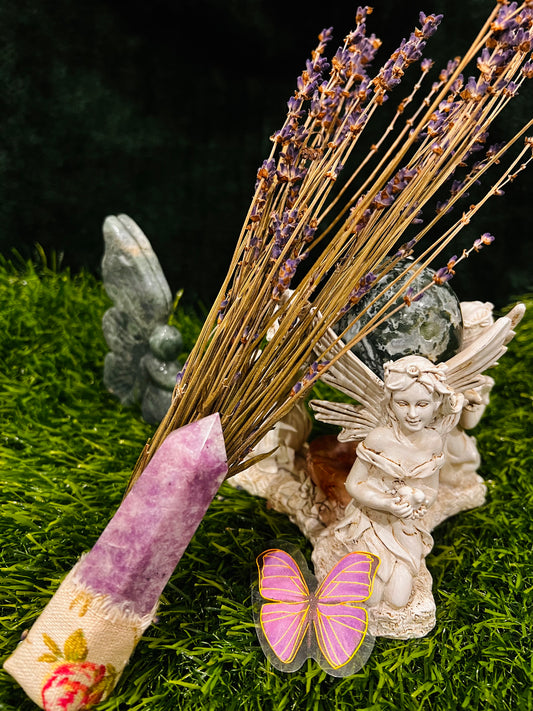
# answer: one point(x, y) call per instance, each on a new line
point(440, 144)
point(326, 221)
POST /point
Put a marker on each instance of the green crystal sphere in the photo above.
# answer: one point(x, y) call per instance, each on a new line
point(431, 327)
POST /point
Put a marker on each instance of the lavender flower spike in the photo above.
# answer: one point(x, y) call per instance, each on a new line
point(89, 629)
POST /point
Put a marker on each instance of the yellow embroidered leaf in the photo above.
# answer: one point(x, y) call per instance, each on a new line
point(84, 607)
point(100, 690)
point(50, 658)
point(83, 600)
point(52, 646)
point(76, 647)
point(111, 678)
point(110, 670)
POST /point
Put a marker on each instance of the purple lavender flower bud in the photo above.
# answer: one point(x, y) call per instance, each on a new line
point(445, 74)
point(362, 288)
point(429, 24)
point(220, 315)
point(333, 174)
point(457, 84)
point(326, 35)
point(296, 388)
point(265, 176)
point(305, 87)
point(356, 123)
point(361, 13)
point(511, 89)
point(255, 213)
point(442, 276)
point(457, 185)
point(320, 66)
point(405, 250)
point(494, 149)
point(410, 296)
point(290, 174)
point(504, 19)
point(308, 231)
point(312, 372)
point(474, 90)
point(295, 108)
point(179, 376)
point(284, 135)
point(527, 70)
point(383, 200)
point(488, 62)
point(485, 240)
point(340, 62)
point(363, 220)
point(410, 51)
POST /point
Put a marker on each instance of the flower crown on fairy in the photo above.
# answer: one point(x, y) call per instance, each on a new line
point(400, 374)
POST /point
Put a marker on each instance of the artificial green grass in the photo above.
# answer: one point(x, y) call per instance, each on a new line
point(66, 450)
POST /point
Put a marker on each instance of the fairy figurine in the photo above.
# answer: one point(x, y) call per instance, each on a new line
point(401, 427)
point(399, 463)
point(141, 365)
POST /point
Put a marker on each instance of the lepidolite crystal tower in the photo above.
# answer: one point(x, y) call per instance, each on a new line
point(78, 647)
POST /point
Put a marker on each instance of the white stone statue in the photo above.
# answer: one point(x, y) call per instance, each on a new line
point(393, 483)
point(460, 484)
point(414, 466)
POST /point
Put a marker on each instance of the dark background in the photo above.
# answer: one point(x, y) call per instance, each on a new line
point(163, 110)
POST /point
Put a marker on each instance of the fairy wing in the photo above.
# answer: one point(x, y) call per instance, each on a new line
point(465, 369)
point(132, 274)
point(349, 374)
point(356, 421)
point(285, 621)
point(141, 297)
point(352, 377)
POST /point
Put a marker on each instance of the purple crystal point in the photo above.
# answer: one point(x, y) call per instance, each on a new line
point(144, 541)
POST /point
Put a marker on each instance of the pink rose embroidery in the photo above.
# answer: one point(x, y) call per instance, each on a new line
point(74, 684)
point(74, 687)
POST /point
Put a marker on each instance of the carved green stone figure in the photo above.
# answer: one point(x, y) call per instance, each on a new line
point(141, 366)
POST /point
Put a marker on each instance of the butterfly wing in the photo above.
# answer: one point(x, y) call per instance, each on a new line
point(285, 620)
point(280, 578)
point(340, 630)
point(350, 580)
point(340, 627)
point(284, 625)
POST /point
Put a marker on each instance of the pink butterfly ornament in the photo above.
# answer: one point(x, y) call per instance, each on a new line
point(297, 619)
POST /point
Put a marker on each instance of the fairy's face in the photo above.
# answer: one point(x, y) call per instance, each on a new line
point(414, 408)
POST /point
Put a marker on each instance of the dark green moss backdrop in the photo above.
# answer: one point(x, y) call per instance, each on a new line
point(163, 110)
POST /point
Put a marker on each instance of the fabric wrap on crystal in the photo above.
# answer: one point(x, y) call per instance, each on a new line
point(78, 647)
